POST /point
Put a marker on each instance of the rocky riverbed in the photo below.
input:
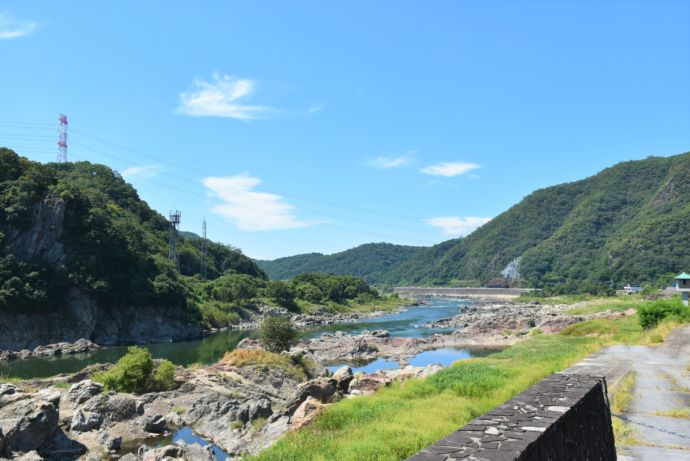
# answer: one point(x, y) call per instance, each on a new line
point(240, 409)
point(486, 324)
point(253, 320)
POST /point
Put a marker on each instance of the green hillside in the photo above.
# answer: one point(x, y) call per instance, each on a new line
point(80, 249)
point(80, 225)
point(370, 261)
point(628, 224)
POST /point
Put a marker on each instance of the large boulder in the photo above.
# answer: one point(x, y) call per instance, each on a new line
point(26, 424)
point(154, 422)
point(83, 391)
point(369, 384)
point(306, 413)
point(322, 389)
point(255, 409)
point(85, 421)
point(121, 407)
point(342, 378)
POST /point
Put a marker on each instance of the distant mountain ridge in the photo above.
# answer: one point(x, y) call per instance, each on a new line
point(627, 224)
point(370, 261)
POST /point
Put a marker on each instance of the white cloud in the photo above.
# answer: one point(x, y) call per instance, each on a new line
point(452, 225)
point(222, 97)
point(13, 28)
point(387, 163)
point(141, 172)
point(314, 109)
point(449, 169)
point(251, 210)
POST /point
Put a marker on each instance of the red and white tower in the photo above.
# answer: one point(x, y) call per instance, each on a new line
point(62, 139)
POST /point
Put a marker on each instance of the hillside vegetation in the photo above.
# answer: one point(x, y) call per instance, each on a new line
point(627, 224)
point(371, 261)
point(69, 228)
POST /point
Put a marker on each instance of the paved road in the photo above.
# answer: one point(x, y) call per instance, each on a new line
point(662, 385)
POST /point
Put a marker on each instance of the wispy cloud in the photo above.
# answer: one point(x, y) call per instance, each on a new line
point(141, 172)
point(14, 28)
point(224, 96)
point(449, 169)
point(455, 226)
point(251, 210)
point(387, 163)
point(314, 109)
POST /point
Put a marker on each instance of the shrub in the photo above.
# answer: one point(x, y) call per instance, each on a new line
point(164, 376)
point(135, 372)
point(650, 314)
point(278, 334)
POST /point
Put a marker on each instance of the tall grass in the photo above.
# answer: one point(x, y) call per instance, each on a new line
point(401, 420)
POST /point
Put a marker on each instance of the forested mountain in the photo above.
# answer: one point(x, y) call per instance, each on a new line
point(80, 225)
point(628, 224)
point(82, 256)
point(370, 261)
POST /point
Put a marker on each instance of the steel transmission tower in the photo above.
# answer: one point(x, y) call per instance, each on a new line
point(204, 257)
point(62, 139)
point(174, 225)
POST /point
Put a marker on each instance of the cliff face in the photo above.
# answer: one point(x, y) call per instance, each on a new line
point(42, 238)
point(84, 318)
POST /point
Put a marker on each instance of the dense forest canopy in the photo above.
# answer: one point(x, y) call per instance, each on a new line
point(67, 226)
point(106, 241)
point(627, 224)
point(371, 261)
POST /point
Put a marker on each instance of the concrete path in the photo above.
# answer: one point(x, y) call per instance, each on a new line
point(662, 386)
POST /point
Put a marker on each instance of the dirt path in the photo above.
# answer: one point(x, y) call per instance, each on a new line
point(661, 394)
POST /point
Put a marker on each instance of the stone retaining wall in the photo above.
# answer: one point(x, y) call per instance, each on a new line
point(565, 417)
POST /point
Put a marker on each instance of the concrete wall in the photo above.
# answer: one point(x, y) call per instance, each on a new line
point(565, 417)
point(460, 292)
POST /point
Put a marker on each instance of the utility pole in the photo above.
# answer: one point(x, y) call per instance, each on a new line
point(173, 255)
point(62, 139)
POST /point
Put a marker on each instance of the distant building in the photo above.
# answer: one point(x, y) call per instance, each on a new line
point(683, 285)
point(630, 289)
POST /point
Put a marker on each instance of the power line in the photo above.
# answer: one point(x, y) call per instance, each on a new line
point(328, 203)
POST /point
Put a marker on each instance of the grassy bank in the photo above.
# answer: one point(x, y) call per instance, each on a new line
point(399, 421)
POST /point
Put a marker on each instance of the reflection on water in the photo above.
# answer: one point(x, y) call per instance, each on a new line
point(445, 356)
point(211, 348)
point(187, 435)
point(205, 350)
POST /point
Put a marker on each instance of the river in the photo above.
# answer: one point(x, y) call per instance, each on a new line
point(209, 349)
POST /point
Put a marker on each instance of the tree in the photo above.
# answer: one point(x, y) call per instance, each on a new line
point(278, 334)
point(282, 293)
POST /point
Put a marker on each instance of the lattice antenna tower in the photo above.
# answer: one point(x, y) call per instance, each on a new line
point(62, 139)
point(175, 218)
point(204, 257)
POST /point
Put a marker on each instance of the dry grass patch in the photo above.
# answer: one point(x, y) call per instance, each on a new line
point(623, 393)
point(259, 357)
point(683, 413)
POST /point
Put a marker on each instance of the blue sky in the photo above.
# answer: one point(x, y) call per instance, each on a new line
point(316, 126)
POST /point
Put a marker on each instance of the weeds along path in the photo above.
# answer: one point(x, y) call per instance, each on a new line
point(657, 409)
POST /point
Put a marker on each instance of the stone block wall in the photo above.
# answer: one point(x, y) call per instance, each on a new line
point(565, 417)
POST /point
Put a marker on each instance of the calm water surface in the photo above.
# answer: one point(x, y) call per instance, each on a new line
point(211, 348)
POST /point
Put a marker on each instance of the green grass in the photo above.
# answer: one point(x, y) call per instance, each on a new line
point(399, 421)
point(619, 303)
